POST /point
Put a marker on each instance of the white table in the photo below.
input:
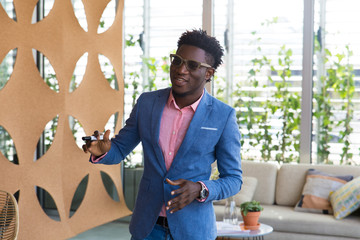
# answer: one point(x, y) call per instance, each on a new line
point(228, 231)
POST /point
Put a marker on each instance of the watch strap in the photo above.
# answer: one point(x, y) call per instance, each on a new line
point(204, 193)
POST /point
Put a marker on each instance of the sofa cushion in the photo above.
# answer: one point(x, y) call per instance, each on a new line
point(265, 173)
point(291, 179)
point(246, 193)
point(346, 199)
point(317, 189)
point(285, 219)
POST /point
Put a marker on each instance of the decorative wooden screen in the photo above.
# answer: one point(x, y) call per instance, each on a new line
point(27, 104)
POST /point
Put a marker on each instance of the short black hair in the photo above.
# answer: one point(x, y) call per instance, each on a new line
point(210, 45)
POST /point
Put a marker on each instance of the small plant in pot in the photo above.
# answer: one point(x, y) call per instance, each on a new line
point(250, 212)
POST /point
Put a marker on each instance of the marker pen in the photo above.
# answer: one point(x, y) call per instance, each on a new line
point(92, 138)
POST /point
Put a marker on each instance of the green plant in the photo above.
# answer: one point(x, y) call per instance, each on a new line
point(335, 80)
point(156, 68)
point(258, 109)
point(251, 206)
point(7, 147)
point(345, 87)
point(132, 79)
point(323, 109)
point(288, 107)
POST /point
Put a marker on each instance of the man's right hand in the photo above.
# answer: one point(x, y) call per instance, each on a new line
point(99, 147)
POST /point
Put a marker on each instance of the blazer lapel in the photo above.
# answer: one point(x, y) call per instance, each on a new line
point(157, 111)
point(200, 115)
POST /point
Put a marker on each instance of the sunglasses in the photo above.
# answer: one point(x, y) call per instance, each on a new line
point(191, 65)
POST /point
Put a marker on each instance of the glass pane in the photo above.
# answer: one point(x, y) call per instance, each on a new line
point(79, 195)
point(108, 71)
point(133, 29)
point(111, 124)
point(46, 70)
point(47, 202)
point(42, 9)
point(8, 5)
point(336, 83)
point(165, 27)
point(7, 146)
point(108, 17)
point(151, 34)
point(48, 5)
point(79, 11)
point(110, 186)
point(79, 72)
point(47, 137)
point(77, 131)
point(7, 67)
point(133, 51)
point(261, 75)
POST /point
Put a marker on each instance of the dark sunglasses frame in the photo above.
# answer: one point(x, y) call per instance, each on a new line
point(198, 64)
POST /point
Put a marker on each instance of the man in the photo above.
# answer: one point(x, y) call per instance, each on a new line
point(183, 130)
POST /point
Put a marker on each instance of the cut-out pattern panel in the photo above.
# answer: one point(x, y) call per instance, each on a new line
point(79, 11)
point(28, 104)
point(108, 17)
point(110, 186)
point(43, 7)
point(79, 195)
point(79, 72)
point(47, 137)
point(7, 67)
point(9, 8)
point(111, 124)
point(108, 71)
point(77, 130)
point(47, 196)
point(7, 146)
point(48, 73)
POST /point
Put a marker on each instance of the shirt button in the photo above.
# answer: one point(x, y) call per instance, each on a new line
point(173, 132)
point(170, 153)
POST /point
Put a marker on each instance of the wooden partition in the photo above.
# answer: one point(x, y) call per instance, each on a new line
point(27, 104)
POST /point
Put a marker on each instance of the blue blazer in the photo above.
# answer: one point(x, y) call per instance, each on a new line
point(213, 134)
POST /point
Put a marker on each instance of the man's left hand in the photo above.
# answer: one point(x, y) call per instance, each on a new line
point(187, 192)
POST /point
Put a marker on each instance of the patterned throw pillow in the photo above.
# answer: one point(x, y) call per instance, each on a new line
point(346, 199)
point(317, 189)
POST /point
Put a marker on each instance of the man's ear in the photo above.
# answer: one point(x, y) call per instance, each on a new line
point(209, 73)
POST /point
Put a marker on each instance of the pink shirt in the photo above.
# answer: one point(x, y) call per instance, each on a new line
point(174, 124)
point(173, 127)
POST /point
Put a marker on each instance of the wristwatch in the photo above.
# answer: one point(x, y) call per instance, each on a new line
point(203, 192)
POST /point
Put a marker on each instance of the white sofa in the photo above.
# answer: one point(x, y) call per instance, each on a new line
point(279, 188)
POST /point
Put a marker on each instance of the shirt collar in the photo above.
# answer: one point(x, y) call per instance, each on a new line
point(193, 106)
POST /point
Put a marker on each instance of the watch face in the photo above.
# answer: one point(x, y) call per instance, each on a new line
point(203, 193)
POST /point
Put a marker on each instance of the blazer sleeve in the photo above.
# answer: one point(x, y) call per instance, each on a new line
point(228, 158)
point(126, 140)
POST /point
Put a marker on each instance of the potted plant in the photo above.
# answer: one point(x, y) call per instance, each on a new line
point(250, 212)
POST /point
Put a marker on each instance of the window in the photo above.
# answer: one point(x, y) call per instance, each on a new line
point(261, 75)
point(336, 83)
point(151, 31)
